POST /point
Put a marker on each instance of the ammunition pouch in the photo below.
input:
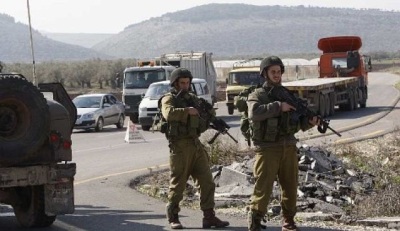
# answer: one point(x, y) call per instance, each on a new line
point(267, 130)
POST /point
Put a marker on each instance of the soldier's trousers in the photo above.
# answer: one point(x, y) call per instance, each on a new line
point(272, 162)
point(188, 157)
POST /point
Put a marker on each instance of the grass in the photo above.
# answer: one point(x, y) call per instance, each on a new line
point(379, 158)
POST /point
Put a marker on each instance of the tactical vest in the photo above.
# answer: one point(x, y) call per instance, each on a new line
point(194, 125)
point(271, 129)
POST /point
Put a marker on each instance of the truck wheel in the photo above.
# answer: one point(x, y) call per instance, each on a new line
point(120, 123)
point(99, 125)
point(230, 110)
point(321, 105)
point(332, 98)
point(356, 99)
point(24, 120)
point(30, 210)
point(350, 101)
point(363, 102)
point(134, 118)
point(146, 127)
point(327, 105)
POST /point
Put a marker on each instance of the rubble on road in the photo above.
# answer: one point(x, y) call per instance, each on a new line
point(325, 185)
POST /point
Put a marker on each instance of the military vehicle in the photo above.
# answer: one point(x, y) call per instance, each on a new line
point(36, 175)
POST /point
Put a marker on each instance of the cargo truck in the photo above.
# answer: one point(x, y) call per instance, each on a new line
point(137, 79)
point(342, 80)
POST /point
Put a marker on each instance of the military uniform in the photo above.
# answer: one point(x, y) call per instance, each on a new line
point(188, 156)
point(276, 153)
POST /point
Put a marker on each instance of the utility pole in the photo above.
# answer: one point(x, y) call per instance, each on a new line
point(31, 40)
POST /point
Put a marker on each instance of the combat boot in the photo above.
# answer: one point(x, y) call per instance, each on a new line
point(210, 220)
point(254, 219)
point(289, 224)
point(172, 216)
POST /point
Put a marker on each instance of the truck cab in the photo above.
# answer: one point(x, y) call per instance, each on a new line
point(243, 75)
point(135, 83)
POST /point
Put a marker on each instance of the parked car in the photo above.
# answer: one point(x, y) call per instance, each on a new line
point(148, 107)
point(98, 110)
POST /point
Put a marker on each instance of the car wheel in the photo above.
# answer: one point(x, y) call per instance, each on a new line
point(230, 110)
point(120, 123)
point(99, 125)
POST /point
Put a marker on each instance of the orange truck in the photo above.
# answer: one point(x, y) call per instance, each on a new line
point(342, 80)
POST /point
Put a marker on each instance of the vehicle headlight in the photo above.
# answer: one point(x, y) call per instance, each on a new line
point(88, 116)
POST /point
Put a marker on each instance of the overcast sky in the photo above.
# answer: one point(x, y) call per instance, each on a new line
point(112, 16)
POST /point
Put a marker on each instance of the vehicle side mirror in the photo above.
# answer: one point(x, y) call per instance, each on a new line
point(226, 80)
point(142, 95)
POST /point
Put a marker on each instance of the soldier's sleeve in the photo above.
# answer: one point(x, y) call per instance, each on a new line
point(170, 112)
point(258, 111)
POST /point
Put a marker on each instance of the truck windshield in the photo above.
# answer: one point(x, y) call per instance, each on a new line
point(157, 90)
point(339, 62)
point(245, 78)
point(142, 79)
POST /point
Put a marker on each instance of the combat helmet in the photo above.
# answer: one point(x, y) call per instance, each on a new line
point(270, 61)
point(178, 73)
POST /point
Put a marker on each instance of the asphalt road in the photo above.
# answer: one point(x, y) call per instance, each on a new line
point(106, 164)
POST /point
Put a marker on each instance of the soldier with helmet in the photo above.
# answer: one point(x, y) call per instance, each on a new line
point(275, 147)
point(188, 156)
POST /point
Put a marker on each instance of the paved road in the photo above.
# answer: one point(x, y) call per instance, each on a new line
point(106, 164)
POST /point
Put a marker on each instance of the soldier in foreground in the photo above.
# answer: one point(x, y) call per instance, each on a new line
point(188, 157)
point(275, 145)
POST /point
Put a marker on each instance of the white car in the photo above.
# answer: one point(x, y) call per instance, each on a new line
point(98, 110)
point(148, 107)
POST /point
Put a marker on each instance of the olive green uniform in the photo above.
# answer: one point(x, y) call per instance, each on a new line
point(276, 152)
point(188, 156)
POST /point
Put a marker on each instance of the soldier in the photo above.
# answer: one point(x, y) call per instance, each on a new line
point(188, 156)
point(275, 147)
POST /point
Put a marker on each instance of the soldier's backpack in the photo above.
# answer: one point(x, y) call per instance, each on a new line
point(240, 102)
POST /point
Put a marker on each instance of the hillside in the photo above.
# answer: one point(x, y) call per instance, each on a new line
point(227, 30)
point(81, 39)
point(239, 29)
point(15, 45)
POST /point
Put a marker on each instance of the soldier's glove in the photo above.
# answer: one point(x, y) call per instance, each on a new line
point(220, 125)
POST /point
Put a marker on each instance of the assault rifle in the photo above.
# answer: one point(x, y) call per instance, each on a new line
point(281, 93)
point(205, 113)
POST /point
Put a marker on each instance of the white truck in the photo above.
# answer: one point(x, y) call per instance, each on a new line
point(137, 79)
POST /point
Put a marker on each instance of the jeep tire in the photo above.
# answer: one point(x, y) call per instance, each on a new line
point(30, 210)
point(24, 120)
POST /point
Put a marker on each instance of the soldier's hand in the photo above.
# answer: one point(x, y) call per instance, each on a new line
point(285, 107)
point(315, 120)
point(192, 111)
point(220, 125)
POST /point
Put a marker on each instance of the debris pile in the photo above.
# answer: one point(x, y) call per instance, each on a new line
point(325, 185)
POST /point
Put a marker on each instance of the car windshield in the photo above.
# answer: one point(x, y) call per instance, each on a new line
point(245, 78)
point(87, 102)
point(142, 79)
point(157, 90)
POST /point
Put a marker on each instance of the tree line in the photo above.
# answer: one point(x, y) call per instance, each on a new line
point(75, 74)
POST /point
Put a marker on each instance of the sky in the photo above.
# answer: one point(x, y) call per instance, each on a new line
point(112, 16)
